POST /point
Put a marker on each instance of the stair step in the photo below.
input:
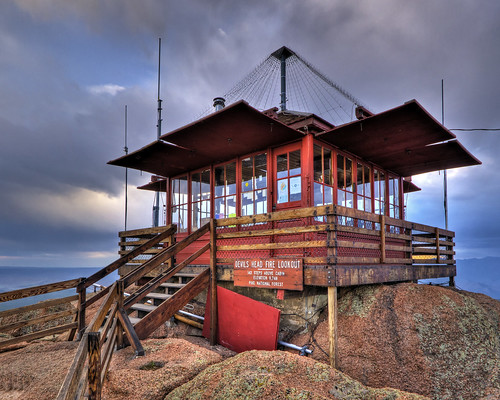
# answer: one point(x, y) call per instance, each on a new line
point(186, 274)
point(158, 296)
point(134, 320)
point(143, 307)
point(173, 285)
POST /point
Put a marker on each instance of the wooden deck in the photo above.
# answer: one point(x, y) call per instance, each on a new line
point(339, 246)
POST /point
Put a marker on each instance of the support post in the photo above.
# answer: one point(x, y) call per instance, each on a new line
point(82, 297)
point(119, 328)
point(94, 373)
point(332, 324)
point(438, 254)
point(382, 239)
point(213, 282)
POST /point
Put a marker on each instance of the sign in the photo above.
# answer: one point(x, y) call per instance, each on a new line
point(270, 273)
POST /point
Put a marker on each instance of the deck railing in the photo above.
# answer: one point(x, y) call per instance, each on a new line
point(333, 235)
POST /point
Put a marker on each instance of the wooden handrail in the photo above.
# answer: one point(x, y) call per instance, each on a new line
point(129, 256)
point(37, 290)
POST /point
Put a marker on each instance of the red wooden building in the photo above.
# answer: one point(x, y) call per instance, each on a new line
point(285, 185)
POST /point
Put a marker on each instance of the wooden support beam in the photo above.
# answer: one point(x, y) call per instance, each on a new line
point(213, 283)
point(332, 324)
point(382, 239)
point(94, 372)
point(130, 332)
point(82, 293)
point(72, 380)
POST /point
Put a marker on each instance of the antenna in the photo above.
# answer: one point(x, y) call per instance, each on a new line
point(125, 148)
point(156, 204)
point(445, 184)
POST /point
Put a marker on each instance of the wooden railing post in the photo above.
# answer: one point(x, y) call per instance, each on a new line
point(82, 297)
point(332, 324)
point(438, 255)
point(382, 239)
point(94, 373)
point(213, 282)
point(119, 328)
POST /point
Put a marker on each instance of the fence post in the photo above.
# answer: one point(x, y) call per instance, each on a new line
point(213, 282)
point(382, 239)
point(119, 328)
point(82, 298)
point(94, 373)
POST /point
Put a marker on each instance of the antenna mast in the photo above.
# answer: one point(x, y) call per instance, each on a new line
point(445, 174)
point(156, 205)
point(125, 148)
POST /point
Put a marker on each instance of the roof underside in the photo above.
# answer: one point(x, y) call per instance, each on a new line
point(234, 131)
point(402, 140)
point(405, 140)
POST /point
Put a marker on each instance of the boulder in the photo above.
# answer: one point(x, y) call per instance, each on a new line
point(278, 375)
point(435, 341)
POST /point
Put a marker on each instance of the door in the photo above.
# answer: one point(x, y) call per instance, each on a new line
point(287, 191)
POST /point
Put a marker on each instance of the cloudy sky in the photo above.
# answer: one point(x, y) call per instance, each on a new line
point(68, 68)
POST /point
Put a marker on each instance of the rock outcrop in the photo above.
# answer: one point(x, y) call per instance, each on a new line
point(430, 340)
point(278, 375)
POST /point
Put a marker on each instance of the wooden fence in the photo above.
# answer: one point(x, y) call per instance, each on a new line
point(28, 322)
point(333, 235)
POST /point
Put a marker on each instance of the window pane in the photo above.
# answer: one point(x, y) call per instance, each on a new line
point(247, 174)
point(261, 201)
point(219, 208)
point(318, 194)
point(219, 181)
point(281, 166)
point(195, 216)
point(195, 187)
point(295, 188)
point(231, 206)
point(231, 178)
point(261, 171)
point(318, 169)
point(205, 185)
point(282, 191)
point(340, 172)
point(367, 181)
point(247, 204)
point(295, 162)
point(348, 174)
point(328, 194)
point(327, 167)
point(359, 179)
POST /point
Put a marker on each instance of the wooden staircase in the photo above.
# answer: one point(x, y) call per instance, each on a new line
point(163, 293)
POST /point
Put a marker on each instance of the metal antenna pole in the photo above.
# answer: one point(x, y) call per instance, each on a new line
point(283, 81)
point(156, 205)
point(126, 171)
point(445, 174)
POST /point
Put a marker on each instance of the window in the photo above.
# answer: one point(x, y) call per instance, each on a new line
point(254, 185)
point(345, 192)
point(379, 191)
point(179, 201)
point(394, 203)
point(200, 199)
point(323, 176)
point(288, 173)
point(363, 188)
point(225, 191)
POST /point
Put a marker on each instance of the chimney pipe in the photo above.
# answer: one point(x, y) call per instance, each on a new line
point(219, 103)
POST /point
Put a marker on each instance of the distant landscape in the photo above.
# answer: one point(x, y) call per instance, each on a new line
point(480, 275)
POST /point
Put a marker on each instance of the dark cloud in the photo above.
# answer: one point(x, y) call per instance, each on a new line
point(60, 122)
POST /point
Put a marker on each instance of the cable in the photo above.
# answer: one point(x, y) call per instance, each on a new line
point(475, 129)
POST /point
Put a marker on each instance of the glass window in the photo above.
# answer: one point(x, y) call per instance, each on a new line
point(394, 200)
point(254, 185)
point(288, 172)
point(363, 187)
point(345, 189)
point(323, 176)
point(200, 199)
point(379, 191)
point(225, 190)
point(179, 201)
